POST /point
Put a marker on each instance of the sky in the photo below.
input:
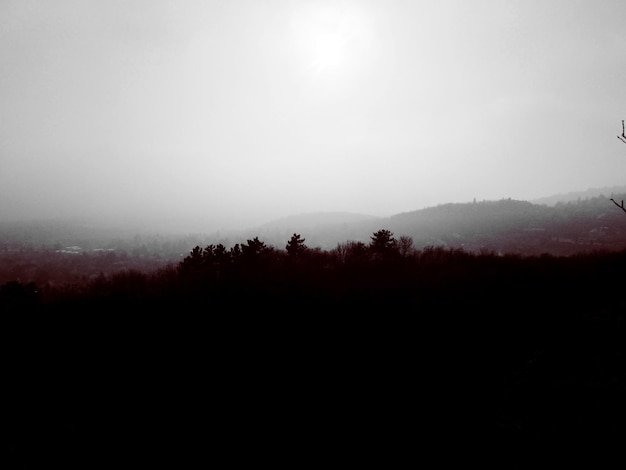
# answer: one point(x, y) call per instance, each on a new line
point(226, 114)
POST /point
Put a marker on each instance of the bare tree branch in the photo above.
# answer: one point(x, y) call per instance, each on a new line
point(621, 206)
point(623, 139)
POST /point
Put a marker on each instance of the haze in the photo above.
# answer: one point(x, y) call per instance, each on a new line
point(209, 115)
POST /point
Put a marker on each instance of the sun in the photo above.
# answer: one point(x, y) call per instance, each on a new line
point(327, 50)
point(326, 37)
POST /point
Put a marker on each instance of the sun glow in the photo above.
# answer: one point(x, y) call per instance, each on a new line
point(329, 39)
point(328, 50)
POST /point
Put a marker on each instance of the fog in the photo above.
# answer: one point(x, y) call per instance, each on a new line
point(209, 115)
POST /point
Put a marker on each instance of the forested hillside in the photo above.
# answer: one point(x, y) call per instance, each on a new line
point(504, 226)
point(520, 227)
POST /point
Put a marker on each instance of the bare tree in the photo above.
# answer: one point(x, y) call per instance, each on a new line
point(623, 139)
point(621, 205)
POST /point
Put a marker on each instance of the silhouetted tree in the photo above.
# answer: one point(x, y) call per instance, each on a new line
point(192, 264)
point(295, 246)
point(253, 248)
point(383, 244)
point(235, 252)
point(216, 256)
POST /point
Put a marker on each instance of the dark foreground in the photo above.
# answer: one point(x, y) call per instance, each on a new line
point(377, 362)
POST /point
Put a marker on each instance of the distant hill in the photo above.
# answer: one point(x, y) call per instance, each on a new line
point(510, 226)
point(576, 195)
point(560, 225)
point(504, 226)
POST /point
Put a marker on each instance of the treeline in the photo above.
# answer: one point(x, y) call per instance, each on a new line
point(387, 273)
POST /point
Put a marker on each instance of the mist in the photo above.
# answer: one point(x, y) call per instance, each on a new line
point(202, 116)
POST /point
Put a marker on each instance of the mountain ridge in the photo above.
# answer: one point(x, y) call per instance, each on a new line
point(575, 195)
point(508, 225)
point(572, 221)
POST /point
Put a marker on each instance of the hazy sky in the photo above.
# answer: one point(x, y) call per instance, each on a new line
point(232, 113)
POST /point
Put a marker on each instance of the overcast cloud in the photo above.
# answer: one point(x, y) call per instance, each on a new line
point(220, 114)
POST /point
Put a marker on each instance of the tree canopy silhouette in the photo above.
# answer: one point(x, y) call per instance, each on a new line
point(383, 244)
point(295, 246)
